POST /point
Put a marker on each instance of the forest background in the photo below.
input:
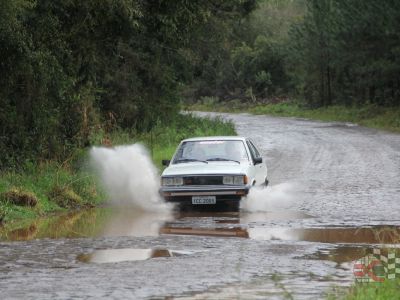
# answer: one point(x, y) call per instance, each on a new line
point(73, 71)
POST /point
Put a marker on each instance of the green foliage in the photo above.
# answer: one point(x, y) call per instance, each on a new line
point(387, 290)
point(65, 197)
point(39, 180)
point(70, 67)
point(345, 52)
point(19, 197)
point(328, 52)
point(248, 58)
point(259, 67)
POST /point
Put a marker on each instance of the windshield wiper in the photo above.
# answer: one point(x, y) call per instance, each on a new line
point(183, 160)
point(223, 159)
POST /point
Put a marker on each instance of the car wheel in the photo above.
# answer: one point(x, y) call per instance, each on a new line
point(266, 182)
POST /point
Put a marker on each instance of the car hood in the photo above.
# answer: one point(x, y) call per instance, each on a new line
point(199, 168)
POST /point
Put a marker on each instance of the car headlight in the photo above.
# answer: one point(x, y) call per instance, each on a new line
point(227, 180)
point(172, 181)
point(234, 180)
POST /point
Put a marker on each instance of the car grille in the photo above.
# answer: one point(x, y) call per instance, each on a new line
point(202, 180)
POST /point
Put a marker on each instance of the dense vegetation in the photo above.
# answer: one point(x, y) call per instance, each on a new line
point(71, 69)
point(325, 52)
point(348, 52)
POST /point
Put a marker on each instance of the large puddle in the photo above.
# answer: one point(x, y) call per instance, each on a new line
point(342, 248)
point(124, 222)
point(344, 245)
point(348, 243)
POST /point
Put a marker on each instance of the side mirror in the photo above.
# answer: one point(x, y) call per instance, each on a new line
point(258, 160)
point(165, 162)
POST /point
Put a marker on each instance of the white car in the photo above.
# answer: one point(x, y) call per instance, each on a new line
point(212, 170)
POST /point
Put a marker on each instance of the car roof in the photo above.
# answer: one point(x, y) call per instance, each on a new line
point(216, 138)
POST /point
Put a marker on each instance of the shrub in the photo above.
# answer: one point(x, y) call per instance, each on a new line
point(65, 197)
point(20, 197)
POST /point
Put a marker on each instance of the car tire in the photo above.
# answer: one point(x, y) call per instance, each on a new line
point(266, 182)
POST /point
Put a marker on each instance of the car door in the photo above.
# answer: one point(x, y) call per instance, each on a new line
point(260, 167)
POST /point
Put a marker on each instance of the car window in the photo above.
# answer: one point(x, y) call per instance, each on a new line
point(253, 151)
point(257, 154)
point(211, 149)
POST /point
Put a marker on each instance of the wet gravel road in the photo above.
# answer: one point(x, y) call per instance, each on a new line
point(344, 174)
point(344, 202)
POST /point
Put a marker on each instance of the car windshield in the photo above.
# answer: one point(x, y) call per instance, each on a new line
point(212, 150)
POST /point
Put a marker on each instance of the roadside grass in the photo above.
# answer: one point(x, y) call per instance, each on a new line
point(385, 118)
point(387, 290)
point(69, 185)
point(46, 182)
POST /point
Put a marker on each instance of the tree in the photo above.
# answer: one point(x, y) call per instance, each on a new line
point(67, 66)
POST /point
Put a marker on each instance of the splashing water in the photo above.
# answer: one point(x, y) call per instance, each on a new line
point(278, 196)
point(129, 177)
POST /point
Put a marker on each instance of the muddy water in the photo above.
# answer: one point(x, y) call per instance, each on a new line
point(219, 254)
point(343, 209)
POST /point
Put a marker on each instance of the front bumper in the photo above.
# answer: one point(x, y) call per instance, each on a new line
point(222, 192)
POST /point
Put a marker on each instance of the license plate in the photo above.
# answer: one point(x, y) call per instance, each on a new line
point(204, 200)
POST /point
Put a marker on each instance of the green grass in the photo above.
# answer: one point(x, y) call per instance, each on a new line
point(162, 141)
point(68, 185)
point(40, 180)
point(387, 290)
point(385, 118)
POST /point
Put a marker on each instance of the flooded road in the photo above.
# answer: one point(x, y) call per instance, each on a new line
point(333, 200)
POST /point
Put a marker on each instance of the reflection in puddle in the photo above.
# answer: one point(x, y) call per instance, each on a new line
point(89, 223)
point(371, 264)
point(349, 253)
point(120, 255)
point(70, 225)
point(341, 254)
point(23, 234)
point(129, 222)
point(218, 232)
point(222, 224)
point(373, 235)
